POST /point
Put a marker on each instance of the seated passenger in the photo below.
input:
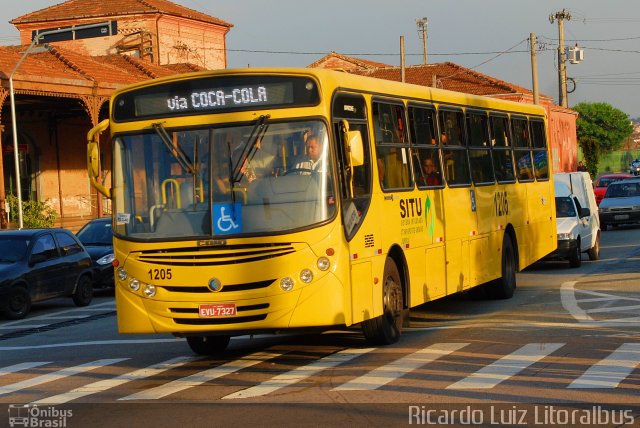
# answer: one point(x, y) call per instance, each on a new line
point(430, 175)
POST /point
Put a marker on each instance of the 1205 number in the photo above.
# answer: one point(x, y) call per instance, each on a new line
point(160, 274)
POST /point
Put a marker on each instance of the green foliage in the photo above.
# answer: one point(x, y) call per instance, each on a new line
point(601, 129)
point(35, 214)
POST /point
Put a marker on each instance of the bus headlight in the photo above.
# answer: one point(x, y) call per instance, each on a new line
point(323, 263)
point(286, 284)
point(122, 274)
point(134, 284)
point(306, 276)
point(149, 290)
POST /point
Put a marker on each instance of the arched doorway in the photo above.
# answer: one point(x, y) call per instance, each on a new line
point(26, 162)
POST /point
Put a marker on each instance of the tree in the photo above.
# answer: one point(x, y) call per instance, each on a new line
point(601, 129)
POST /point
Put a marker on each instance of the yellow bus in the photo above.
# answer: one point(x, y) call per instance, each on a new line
point(281, 200)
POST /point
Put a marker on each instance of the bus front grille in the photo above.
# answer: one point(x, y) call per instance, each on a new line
point(225, 289)
point(214, 255)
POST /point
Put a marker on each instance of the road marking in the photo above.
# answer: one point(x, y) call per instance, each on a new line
point(612, 370)
point(202, 377)
point(103, 385)
point(568, 299)
point(506, 367)
point(400, 367)
point(60, 374)
point(90, 343)
point(22, 366)
point(299, 374)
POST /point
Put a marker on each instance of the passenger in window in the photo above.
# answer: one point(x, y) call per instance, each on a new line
point(430, 175)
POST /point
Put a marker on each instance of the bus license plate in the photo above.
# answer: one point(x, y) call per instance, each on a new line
point(212, 310)
point(621, 217)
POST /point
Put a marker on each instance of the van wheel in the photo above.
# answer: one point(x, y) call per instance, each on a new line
point(594, 252)
point(18, 304)
point(505, 286)
point(575, 259)
point(386, 329)
point(208, 345)
point(84, 291)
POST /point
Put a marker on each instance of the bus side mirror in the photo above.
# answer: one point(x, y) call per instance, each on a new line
point(353, 146)
point(93, 157)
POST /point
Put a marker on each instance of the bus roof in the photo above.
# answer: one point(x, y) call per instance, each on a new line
point(347, 81)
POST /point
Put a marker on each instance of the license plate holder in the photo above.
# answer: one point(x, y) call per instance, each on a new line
point(621, 217)
point(216, 310)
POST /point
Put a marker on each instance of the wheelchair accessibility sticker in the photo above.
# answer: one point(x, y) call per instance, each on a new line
point(227, 218)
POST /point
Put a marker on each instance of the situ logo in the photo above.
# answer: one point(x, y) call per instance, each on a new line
point(30, 415)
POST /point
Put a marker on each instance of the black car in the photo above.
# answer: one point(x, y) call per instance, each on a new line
point(97, 238)
point(40, 264)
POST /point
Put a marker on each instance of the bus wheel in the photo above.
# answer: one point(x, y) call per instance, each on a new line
point(386, 328)
point(504, 287)
point(208, 345)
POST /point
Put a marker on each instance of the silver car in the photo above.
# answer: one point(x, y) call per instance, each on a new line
point(621, 203)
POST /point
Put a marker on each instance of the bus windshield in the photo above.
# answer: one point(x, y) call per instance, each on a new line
point(214, 181)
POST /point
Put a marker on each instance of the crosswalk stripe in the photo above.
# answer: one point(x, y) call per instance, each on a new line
point(610, 371)
point(103, 385)
point(400, 367)
point(22, 366)
point(507, 366)
point(202, 377)
point(299, 374)
point(60, 374)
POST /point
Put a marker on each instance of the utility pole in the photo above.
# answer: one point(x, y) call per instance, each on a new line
point(562, 66)
point(534, 68)
point(402, 72)
point(422, 32)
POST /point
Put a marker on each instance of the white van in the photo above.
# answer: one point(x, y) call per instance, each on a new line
point(577, 218)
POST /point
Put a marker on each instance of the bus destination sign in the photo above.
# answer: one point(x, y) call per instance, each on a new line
point(208, 95)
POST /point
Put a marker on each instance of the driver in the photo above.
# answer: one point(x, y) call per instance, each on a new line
point(312, 159)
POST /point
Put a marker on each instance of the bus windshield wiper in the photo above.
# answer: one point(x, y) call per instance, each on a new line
point(250, 147)
point(176, 150)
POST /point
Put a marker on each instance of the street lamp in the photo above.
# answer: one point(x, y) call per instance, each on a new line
point(422, 31)
point(38, 36)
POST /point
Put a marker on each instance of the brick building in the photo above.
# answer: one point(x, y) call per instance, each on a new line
point(63, 91)
point(562, 121)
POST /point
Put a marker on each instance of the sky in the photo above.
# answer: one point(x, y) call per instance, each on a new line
point(488, 36)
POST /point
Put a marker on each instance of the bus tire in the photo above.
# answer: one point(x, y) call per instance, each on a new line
point(386, 329)
point(594, 252)
point(208, 345)
point(505, 286)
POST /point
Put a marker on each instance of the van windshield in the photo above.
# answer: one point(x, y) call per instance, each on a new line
point(565, 207)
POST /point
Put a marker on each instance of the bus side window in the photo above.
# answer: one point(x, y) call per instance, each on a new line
point(454, 147)
point(522, 147)
point(501, 149)
point(539, 143)
point(392, 149)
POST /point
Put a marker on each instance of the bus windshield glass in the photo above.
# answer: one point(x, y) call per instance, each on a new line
point(200, 183)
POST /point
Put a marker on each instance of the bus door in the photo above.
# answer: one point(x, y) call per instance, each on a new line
point(460, 201)
point(355, 191)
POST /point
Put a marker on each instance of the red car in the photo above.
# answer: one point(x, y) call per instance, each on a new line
point(600, 186)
